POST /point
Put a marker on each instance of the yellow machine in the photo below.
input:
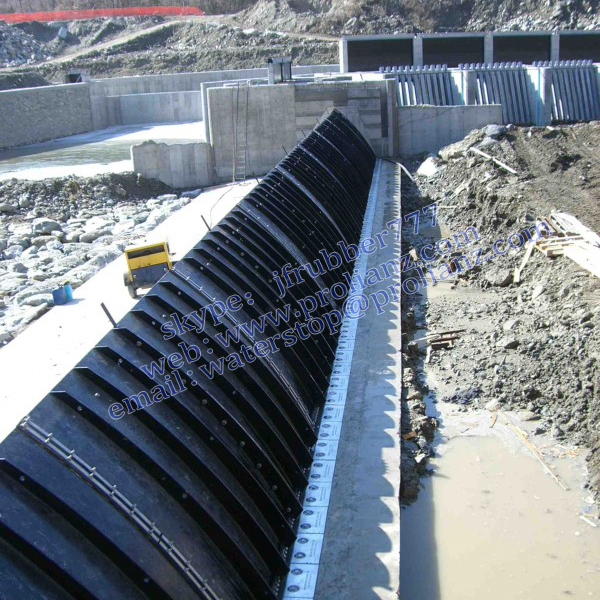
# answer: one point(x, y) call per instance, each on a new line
point(146, 265)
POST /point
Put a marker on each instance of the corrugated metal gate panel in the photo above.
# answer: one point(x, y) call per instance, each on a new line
point(575, 94)
point(506, 84)
point(431, 84)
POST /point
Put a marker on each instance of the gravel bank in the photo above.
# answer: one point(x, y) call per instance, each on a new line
point(60, 230)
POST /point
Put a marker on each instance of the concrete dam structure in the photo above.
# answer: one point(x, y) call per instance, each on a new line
point(110, 492)
point(302, 409)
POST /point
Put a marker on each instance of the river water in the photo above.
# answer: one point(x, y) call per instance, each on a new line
point(93, 153)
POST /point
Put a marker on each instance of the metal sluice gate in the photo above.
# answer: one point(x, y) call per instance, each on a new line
point(197, 496)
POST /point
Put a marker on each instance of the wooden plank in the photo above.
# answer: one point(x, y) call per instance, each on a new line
point(519, 269)
point(586, 256)
point(570, 224)
point(494, 160)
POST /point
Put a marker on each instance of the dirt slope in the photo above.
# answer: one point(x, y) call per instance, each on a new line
point(531, 346)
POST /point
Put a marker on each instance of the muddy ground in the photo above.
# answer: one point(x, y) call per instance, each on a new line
point(532, 347)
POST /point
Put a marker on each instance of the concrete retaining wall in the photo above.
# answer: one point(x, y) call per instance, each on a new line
point(429, 128)
point(204, 87)
point(279, 116)
point(370, 98)
point(44, 113)
point(101, 89)
point(271, 127)
point(166, 107)
point(178, 165)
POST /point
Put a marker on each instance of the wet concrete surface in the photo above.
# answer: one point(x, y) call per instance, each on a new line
point(93, 153)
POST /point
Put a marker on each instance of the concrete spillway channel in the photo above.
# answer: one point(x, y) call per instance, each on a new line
point(178, 459)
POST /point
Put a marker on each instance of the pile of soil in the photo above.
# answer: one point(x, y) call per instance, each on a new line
point(530, 347)
point(60, 37)
point(18, 47)
point(23, 79)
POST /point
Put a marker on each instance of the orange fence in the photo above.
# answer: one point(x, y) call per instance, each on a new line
point(71, 15)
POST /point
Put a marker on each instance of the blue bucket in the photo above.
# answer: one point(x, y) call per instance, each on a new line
point(59, 295)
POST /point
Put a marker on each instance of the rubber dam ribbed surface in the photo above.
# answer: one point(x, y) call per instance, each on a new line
point(196, 496)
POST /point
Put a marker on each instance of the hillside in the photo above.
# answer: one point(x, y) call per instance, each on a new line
point(368, 16)
point(304, 29)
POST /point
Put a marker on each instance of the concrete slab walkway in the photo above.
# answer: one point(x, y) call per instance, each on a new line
point(360, 558)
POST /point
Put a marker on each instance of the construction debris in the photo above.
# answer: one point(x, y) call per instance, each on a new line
point(494, 160)
point(532, 321)
point(569, 237)
point(534, 450)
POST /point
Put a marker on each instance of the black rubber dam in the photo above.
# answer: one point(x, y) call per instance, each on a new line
point(195, 495)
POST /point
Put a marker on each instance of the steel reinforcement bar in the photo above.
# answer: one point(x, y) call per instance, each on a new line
point(197, 495)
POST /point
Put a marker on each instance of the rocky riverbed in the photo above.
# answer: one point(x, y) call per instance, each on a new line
point(60, 230)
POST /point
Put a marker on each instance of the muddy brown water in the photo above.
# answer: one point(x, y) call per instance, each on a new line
point(490, 523)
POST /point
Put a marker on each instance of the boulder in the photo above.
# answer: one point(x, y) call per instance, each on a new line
point(493, 405)
point(42, 240)
point(495, 131)
point(72, 237)
point(499, 277)
point(429, 167)
point(92, 236)
point(13, 251)
point(123, 227)
point(54, 245)
point(30, 252)
point(191, 193)
point(511, 324)
point(18, 267)
point(537, 292)
point(42, 226)
point(98, 223)
point(103, 257)
point(527, 415)
point(452, 151)
point(7, 208)
point(157, 216)
point(487, 142)
point(508, 343)
point(37, 300)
